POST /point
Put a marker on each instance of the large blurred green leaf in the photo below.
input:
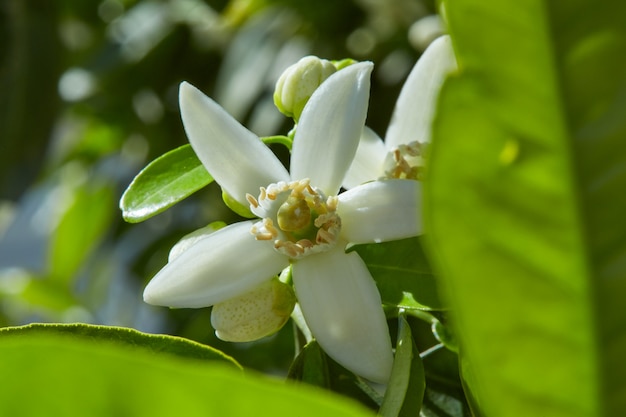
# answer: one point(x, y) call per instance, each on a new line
point(167, 180)
point(55, 375)
point(526, 202)
point(402, 273)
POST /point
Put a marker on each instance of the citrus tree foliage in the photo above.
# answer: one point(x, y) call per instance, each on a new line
point(509, 302)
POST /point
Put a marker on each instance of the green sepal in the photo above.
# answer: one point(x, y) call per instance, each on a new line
point(236, 206)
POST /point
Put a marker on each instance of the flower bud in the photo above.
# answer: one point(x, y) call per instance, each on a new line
point(298, 82)
point(256, 314)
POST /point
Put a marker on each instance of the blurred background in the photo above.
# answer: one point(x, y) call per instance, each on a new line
point(89, 97)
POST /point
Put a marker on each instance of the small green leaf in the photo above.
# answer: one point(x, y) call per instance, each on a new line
point(125, 336)
point(402, 273)
point(310, 366)
point(51, 374)
point(405, 390)
point(167, 180)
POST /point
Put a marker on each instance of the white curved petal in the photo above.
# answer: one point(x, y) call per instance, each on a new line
point(235, 157)
point(381, 210)
point(330, 126)
point(220, 266)
point(190, 239)
point(368, 163)
point(342, 307)
point(416, 104)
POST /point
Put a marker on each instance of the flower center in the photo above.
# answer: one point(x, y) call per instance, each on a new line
point(298, 218)
point(405, 162)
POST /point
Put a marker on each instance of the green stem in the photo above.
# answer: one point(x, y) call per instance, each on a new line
point(280, 139)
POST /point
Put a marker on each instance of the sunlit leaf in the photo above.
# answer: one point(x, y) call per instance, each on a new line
point(164, 182)
point(402, 273)
point(526, 203)
point(64, 375)
point(124, 336)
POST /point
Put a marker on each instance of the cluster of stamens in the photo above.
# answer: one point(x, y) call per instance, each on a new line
point(305, 220)
point(405, 162)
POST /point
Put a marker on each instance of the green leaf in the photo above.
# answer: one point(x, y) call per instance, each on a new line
point(405, 390)
point(525, 203)
point(167, 180)
point(444, 395)
point(310, 366)
point(314, 367)
point(127, 337)
point(402, 273)
point(81, 228)
point(53, 374)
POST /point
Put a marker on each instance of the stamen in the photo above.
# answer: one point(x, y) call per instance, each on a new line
point(324, 236)
point(405, 162)
point(253, 201)
point(306, 221)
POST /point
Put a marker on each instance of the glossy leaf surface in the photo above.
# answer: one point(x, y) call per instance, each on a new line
point(525, 203)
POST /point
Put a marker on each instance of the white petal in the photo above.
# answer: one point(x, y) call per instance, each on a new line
point(234, 156)
point(190, 239)
point(415, 107)
point(368, 162)
point(342, 307)
point(380, 211)
point(329, 129)
point(220, 266)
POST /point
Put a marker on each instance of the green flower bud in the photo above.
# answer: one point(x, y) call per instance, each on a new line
point(298, 82)
point(259, 313)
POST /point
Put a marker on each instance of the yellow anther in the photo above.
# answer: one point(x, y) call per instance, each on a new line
point(324, 236)
point(305, 243)
point(405, 161)
point(253, 201)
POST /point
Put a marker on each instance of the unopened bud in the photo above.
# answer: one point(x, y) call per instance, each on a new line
point(298, 82)
point(259, 313)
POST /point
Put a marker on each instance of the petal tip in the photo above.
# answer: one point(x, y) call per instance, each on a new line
point(151, 295)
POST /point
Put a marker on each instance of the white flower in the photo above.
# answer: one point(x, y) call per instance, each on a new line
point(303, 222)
point(400, 155)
